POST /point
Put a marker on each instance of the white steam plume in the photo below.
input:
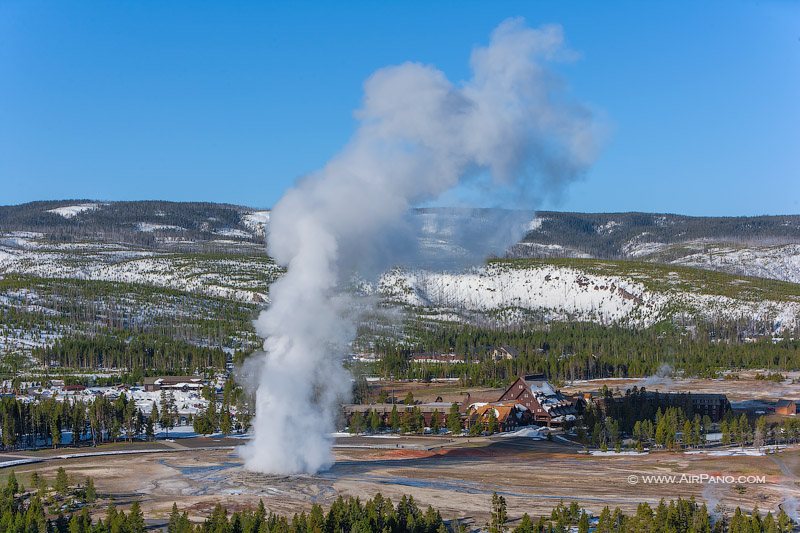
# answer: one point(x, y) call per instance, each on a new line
point(419, 136)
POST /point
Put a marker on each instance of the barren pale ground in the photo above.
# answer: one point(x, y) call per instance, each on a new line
point(459, 480)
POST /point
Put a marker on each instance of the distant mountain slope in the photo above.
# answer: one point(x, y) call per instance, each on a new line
point(620, 235)
point(651, 268)
point(602, 291)
point(187, 226)
point(764, 246)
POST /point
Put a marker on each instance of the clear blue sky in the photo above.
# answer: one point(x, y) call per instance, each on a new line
point(232, 101)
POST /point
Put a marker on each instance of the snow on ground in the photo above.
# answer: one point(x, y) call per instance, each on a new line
point(601, 453)
point(187, 402)
point(230, 232)
point(257, 221)
point(566, 293)
point(226, 278)
point(737, 452)
point(530, 432)
point(607, 228)
point(535, 249)
point(780, 262)
point(638, 247)
point(147, 227)
point(554, 291)
point(535, 224)
point(70, 211)
point(775, 262)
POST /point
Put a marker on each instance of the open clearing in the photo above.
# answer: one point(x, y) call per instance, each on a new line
point(457, 478)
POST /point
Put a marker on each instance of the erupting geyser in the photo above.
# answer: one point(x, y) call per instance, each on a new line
point(510, 130)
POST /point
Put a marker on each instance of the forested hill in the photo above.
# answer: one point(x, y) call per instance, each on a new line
point(619, 235)
point(763, 246)
point(198, 273)
point(153, 224)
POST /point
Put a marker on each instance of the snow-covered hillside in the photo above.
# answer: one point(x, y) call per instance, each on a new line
point(71, 211)
point(241, 278)
point(218, 250)
point(257, 222)
point(510, 290)
point(767, 246)
point(774, 262)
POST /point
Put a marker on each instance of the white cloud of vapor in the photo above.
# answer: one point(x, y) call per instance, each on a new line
point(419, 136)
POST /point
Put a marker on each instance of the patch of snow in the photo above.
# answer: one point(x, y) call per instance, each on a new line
point(638, 247)
point(230, 232)
point(71, 211)
point(535, 249)
point(535, 224)
point(774, 262)
point(257, 221)
point(147, 227)
point(608, 453)
point(512, 294)
point(530, 432)
point(607, 228)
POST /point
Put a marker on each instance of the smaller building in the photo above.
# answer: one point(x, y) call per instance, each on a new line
point(786, 408)
point(501, 353)
point(182, 383)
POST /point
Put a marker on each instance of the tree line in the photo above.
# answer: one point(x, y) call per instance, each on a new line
point(677, 516)
point(571, 351)
point(33, 424)
point(143, 354)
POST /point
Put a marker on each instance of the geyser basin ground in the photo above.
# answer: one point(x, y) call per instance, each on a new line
point(459, 480)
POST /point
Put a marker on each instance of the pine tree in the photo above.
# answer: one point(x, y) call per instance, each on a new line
point(499, 514)
point(374, 421)
point(583, 523)
point(12, 485)
point(454, 419)
point(135, 520)
point(174, 519)
point(167, 420)
point(525, 525)
point(155, 415)
point(394, 419)
point(436, 423)
point(61, 484)
point(150, 430)
point(225, 421)
point(491, 424)
point(41, 486)
point(91, 492)
point(356, 423)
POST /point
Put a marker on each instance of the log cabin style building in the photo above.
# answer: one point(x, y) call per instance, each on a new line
point(546, 404)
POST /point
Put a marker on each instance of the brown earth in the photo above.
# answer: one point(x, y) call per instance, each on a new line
point(458, 479)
